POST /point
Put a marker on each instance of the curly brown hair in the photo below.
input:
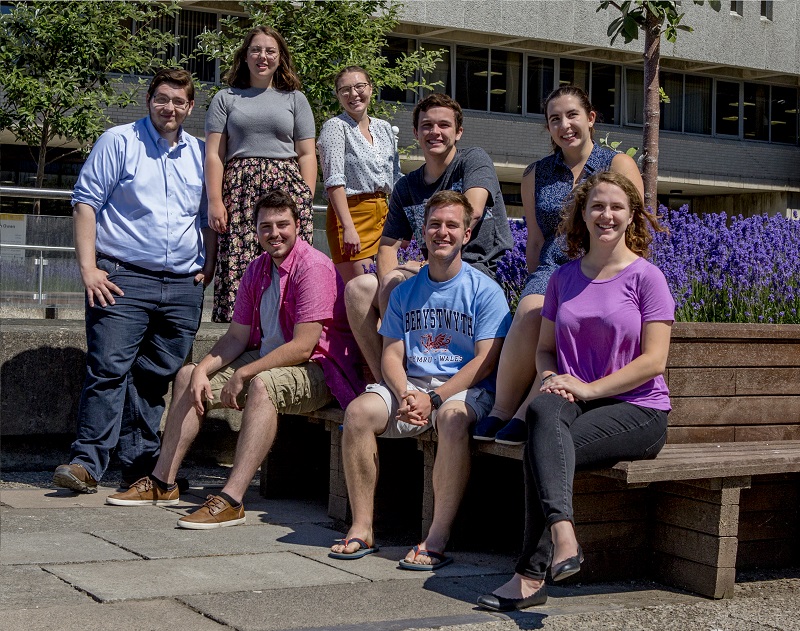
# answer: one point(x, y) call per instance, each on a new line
point(285, 77)
point(638, 235)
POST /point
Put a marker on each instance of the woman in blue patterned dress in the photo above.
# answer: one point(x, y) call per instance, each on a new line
point(546, 187)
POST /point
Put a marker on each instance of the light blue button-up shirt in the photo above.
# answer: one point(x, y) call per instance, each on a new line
point(149, 198)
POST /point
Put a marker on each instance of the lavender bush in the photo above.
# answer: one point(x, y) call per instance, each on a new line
point(742, 270)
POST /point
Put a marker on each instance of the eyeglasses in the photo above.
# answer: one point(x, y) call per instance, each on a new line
point(345, 90)
point(161, 101)
point(257, 51)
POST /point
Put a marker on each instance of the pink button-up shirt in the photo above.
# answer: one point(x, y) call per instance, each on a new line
point(310, 291)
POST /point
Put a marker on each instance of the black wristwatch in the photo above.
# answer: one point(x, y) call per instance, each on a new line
point(436, 400)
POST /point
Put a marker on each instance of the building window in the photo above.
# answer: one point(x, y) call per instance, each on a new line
point(394, 50)
point(727, 112)
point(575, 72)
point(783, 115)
point(672, 112)
point(190, 25)
point(472, 77)
point(541, 81)
point(441, 75)
point(697, 105)
point(766, 9)
point(505, 82)
point(605, 92)
point(756, 111)
point(737, 8)
point(634, 97)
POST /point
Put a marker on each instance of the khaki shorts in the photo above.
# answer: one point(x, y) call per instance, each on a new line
point(292, 389)
point(478, 399)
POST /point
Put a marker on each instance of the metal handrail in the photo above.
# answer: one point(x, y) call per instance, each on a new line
point(28, 192)
point(51, 248)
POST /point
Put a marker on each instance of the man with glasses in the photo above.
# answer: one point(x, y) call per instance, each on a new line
point(145, 256)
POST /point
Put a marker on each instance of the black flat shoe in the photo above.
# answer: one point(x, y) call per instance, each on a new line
point(568, 567)
point(486, 428)
point(498, 603)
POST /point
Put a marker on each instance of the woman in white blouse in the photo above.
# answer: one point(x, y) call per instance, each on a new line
point(360, 166)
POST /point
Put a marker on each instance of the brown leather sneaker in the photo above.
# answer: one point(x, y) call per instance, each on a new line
point(143, 492)
point(214, 513)
point(74, 477)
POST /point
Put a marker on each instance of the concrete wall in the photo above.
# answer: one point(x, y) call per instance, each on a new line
point(42, 368)
point(718, 38)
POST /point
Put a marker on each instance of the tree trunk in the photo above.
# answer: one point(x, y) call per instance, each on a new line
point(40, 164)
point(652, 114)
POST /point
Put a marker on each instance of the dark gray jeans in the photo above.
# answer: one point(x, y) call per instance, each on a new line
point(563, 436)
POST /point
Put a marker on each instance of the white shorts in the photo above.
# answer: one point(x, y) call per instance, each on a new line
point(478, 399)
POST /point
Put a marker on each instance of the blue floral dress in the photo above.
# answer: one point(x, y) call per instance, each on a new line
point(553, 184)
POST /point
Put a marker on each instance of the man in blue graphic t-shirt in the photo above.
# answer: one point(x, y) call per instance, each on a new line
point(442, 334)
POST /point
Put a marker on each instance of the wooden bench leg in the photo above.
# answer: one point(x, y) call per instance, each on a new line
point(695, 534)
point(428, 457)
point(338, 503)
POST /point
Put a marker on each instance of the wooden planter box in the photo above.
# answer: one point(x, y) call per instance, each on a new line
point(734, 382)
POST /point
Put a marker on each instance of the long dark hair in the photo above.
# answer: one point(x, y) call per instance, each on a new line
point(285, 77)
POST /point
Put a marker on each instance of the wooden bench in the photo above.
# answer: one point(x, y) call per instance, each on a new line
point(682, 526)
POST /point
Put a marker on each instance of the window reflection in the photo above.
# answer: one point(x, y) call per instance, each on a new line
point(472, 77)
point(505, 82)
point(727, 115)
point(541, 79)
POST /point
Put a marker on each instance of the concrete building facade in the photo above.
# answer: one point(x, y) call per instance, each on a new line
point(730, 134)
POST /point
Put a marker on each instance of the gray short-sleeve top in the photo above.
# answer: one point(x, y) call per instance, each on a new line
point(260, 123)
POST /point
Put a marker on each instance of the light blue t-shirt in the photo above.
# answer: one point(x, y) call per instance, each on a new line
point(439, 323)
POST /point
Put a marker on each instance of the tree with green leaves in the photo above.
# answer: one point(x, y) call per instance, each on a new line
point(325, 37)
point(655, 19)
point(62, 63)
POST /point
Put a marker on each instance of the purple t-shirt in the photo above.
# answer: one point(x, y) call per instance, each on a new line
point(598, 323)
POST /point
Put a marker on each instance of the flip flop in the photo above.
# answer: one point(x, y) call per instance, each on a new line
point(426, 567)
point(363, 551)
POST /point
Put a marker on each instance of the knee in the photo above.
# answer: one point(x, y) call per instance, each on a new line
point(257, 393)
point(184, 377)
point(529, 312)
point(389, 282)
point(453, 425)
point(360, 418)
point(360, 293)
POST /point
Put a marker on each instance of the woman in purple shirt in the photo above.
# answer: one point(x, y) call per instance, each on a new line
point(603, 346)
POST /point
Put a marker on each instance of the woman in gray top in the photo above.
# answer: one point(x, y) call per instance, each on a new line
point(259, 137)
point(360, 166)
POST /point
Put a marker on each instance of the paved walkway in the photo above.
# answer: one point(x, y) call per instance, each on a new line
point(71, 562)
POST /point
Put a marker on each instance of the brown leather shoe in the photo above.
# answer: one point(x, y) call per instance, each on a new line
point(74, 477)
point(144, 492)
point(214, 513)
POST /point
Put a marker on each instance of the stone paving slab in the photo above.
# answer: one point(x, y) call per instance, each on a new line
point(57, 547)
point(179, 542)
point(52, 498)
point(152, 615)
point(375, 606)
point(383, 565)
point(30, 587)
point(29, 520)
point(260, 510)
point(122, 580)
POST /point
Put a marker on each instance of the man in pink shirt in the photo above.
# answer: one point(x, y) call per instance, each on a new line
point(288, 350)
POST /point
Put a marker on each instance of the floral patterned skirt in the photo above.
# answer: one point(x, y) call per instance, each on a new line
point(245, 181)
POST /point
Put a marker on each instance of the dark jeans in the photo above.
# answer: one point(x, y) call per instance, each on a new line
point(134, 349)
point(563, 436)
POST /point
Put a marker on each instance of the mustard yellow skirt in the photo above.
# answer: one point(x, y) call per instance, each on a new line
point(369, 214)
